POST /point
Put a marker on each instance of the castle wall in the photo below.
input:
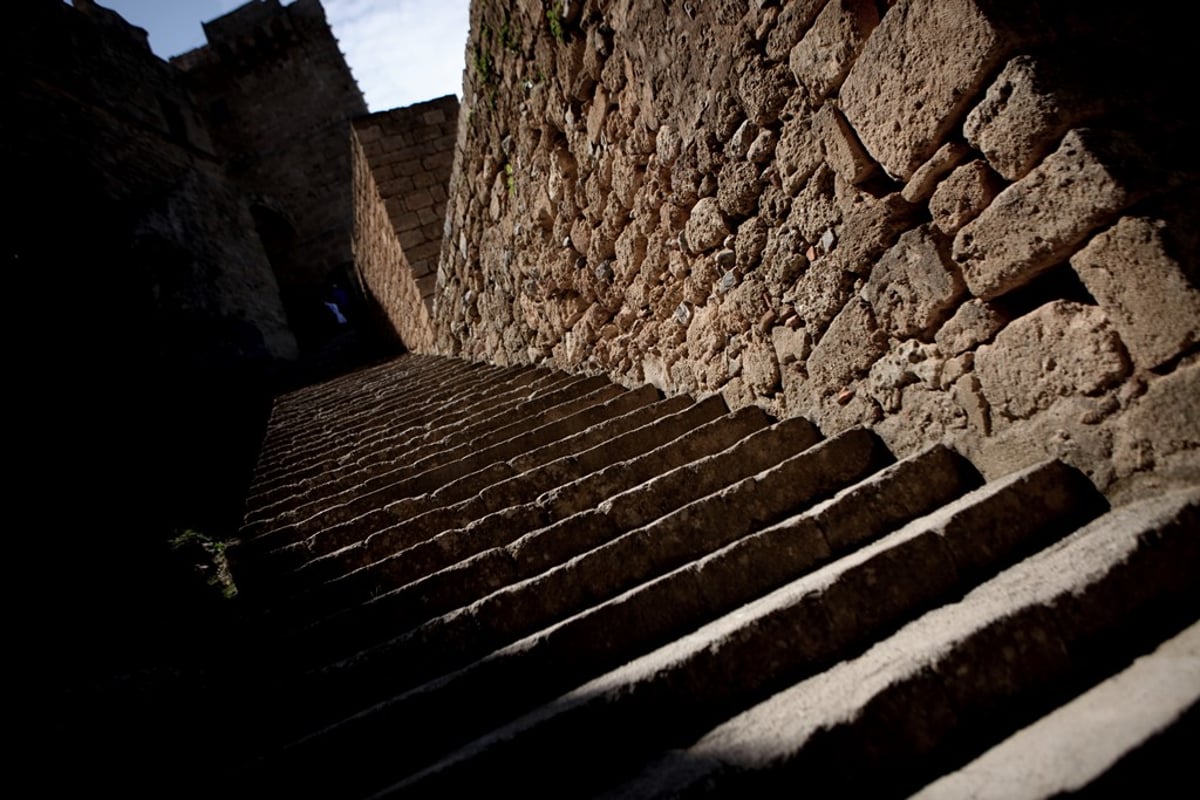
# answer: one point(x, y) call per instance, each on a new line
point(410, 151)
point(121, 195)
point(950, 220)
point(392, 288)
point(278, 98)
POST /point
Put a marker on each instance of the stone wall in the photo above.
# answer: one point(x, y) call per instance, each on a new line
point(115, 170)
point(278, 97)
point(947, 219)
point(410, 151)
point(392, 289)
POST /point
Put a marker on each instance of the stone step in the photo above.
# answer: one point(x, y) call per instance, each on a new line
point(797, 629)
point(345, 524)
point(545, 578)
point(381, 420)
point(386, 560)
point(418, 414)
point(478, 468)
point(439, 424)
point(978, 669)
point(1146, 712)
point(344, 499)
point(640, 488)
point(315, 423)
point(600, 638)
point(394, 610)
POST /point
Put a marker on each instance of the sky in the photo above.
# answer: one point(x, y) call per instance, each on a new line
point(400, 51)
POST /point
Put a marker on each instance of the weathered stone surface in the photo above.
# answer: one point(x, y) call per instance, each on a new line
point(1038, 221)
point(846, 351)
point(1162, 431)
point(764, 91)
point(909, 363)
point(822, 58)
point(963, 196)
point(1029, 106)
point(1138, 279)
point(915, 286)
point(974, 323)
point(842, 149)
point(794, 19)
point(738, 188)
point(919, 71)
point(798, 153)
point(706, 227)
point(1061, 349)
point(791, 344)
point(1077, 744)
point(922, 183)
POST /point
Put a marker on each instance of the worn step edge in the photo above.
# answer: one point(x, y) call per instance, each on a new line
point(446, 428)
point(540, 591)
point(340, 589)
point(346, 496)
point(586, 492)
point(965, 665)
point(802, 626)
point(1077, 745)
point(599, 638)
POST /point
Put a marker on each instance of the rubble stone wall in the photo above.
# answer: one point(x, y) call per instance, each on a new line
point(410, 151)
point(957, 220)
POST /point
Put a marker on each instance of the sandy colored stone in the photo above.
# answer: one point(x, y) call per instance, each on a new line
point(922, 183)
point(1161, 431)
point(798, 153)
point(963, 196)
point(1026, 110)
point(794, 19)
point(764, 90)
point(915, 286)
point(1060, 350)
point(822, 58)
point(1137, 278)
point(738, 188)
point(847, 350)
point(973, 323)
point(706, 227)
point(1038, 222)
point(843, 151)
point(760, 367)
point(791, 345)
point(919, 71)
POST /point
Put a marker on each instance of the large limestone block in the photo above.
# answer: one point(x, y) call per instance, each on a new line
point(1039, 221)
point(823, 57)
point(1162, 429)
point(847, 350)
point(913, 288)
point(842, 149)
point(1136, 278)
point(963, 196)
point(1062, 349)
point(1029, 106)
point(921, 69)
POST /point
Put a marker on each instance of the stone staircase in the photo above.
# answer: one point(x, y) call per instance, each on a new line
point(475, 578)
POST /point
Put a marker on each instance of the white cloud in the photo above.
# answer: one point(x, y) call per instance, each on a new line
point(402, 51)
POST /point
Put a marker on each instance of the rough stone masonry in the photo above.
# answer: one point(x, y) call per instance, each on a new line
point(953, 220)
